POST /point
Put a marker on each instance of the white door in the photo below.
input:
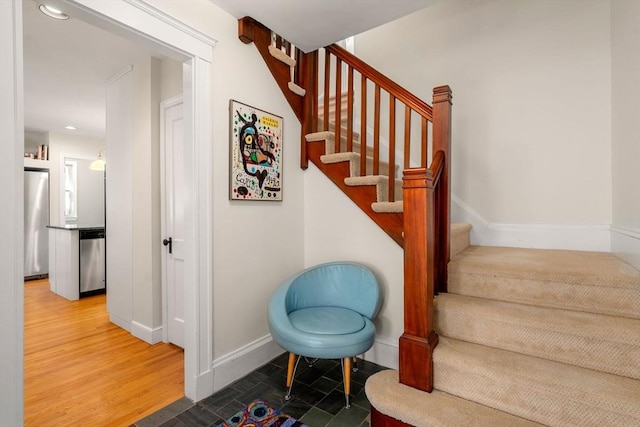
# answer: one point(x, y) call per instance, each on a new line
point(172, 176)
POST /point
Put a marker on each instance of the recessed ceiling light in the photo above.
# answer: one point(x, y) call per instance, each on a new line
point(70, 127)
point(53, 12)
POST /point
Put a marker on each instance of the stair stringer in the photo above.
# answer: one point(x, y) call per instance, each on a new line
point(391, 223)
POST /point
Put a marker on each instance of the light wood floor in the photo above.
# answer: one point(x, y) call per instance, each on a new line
point(80, 369)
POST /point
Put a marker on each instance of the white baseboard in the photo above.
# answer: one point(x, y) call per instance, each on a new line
point(579, 237)
point(384, 352)
point(145, 333)
point(124, 324)
point(625, 244)
point(463, 213)
point(595, 238)
point(238, 363)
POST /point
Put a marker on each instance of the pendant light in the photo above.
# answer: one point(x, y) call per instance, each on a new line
point(99, 163)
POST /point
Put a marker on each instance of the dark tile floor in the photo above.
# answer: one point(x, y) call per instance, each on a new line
point(317, 397)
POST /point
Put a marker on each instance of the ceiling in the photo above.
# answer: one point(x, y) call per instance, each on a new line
point(67, 63)
point(312, 24)
point(66, 66)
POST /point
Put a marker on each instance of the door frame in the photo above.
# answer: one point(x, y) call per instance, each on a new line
point(164, 106)
point(140, 22)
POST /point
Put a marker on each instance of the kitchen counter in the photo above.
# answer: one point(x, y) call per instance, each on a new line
point(69, 274)
point(77, 227)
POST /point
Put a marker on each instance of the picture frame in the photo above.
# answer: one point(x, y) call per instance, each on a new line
point(255, 152)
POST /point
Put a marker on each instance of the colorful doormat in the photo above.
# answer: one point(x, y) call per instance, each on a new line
point(260, 414)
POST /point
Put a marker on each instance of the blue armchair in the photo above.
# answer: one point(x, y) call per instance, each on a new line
point(326, 312)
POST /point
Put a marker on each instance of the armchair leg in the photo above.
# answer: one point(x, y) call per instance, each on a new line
point(346, 375)
point(291, 372)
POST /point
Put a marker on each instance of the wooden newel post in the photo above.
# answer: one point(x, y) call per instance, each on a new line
point(442, 142)
point(419, 339)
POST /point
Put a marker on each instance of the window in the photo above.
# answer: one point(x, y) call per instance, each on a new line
point(70, 190)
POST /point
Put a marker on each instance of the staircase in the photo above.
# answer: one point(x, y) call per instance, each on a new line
point(527, 337)
point(513, 336)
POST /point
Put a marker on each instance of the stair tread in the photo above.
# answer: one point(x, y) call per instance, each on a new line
point(588, 268)
point(388, 207)
point(438, 408)
point(596, 341)
point(298, 90)
point(541, 390)
point(281, 56)
point(320, 136)
point(584, 281)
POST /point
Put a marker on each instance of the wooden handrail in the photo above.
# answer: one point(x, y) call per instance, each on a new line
point(436, 168)
point(383, 81)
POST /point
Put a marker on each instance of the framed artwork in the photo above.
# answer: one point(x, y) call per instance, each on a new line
point(256, 153)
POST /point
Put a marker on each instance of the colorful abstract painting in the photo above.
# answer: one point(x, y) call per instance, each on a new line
point(256, 154)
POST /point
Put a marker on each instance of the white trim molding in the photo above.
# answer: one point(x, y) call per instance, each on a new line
point(385, 352)
point(625, 244)
point(461, 212)
point(588, 237)
point(173, 22)
point(579, 237)
point(235, 365)
point(11, 218)
point(145, 333)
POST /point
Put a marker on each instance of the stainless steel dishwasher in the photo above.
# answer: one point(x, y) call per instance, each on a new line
point(92, 262)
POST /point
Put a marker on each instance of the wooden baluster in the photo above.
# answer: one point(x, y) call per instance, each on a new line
point(327, 80)
point(392, 146)
point(296, 71)
point(350, 109)
point(424, 144)
point(376, 131)
point(407, 136)
point(418, 340)
point(315, 90)
point(308, 69)
point(442, 142)
point(338, 104)
point(363, 125)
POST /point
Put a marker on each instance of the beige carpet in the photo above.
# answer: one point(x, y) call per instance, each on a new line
point(552, 337)
point(409, 405)
point(584, 281)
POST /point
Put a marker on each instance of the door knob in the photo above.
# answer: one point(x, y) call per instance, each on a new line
point(169, 243)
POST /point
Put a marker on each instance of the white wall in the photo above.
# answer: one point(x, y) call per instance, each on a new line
point(625, 99)
point(337, 230)
point(119, 221)
point(145, 187)
point(62, 143)
point(256, 245)
point(531, 103)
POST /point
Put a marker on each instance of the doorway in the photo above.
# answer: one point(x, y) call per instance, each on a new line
point(195, 51)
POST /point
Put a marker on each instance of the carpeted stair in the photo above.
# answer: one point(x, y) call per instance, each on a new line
point(529, 336)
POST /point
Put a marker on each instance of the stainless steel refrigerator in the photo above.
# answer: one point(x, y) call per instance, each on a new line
point(36, 219)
